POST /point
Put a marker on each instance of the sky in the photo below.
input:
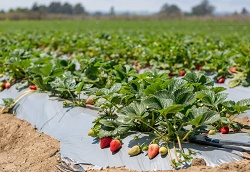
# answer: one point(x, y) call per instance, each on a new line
point(134, 5)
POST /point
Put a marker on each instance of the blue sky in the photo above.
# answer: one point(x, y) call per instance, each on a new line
point(134, 5)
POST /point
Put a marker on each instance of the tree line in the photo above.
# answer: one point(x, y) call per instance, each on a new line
point(167, 10)
point(204, 8)
point(54, 8)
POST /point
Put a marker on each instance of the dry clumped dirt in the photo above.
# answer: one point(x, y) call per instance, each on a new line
point(197, 166)
point(23, 149)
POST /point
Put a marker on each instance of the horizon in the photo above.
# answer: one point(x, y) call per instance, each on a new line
point(139, 6)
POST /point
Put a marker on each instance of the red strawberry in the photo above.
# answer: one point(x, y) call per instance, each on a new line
point(182, 73)
point(221, 80)
point(224, 130)
point(170, 74)
point(90, 101)
point(153, 150)
point(115, 145)
point(105, 141)
point(199, 67)
point(233, 69)
point(6, 85)
point(32, 87)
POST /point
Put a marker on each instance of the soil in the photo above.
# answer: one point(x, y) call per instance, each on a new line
point(244, 121)
point(198, 166)
point(23, 149)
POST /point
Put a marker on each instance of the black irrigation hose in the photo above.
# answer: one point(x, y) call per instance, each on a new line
point(221, 145)
point(227, 142)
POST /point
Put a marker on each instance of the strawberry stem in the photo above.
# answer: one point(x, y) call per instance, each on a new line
point(170, 156)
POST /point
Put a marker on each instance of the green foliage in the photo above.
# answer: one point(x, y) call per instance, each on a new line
point(168, 108)
point(8, 102)
point(164, 107)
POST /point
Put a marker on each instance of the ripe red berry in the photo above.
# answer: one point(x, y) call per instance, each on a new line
point(221, 80)
point(6, 85)
point(224, 130)
point(199, 67)
point(115, 145)
point(32, 87)
point(90, 101)
point(170, 74)
point(182, 73)
point(153, 150)
point(105, 141)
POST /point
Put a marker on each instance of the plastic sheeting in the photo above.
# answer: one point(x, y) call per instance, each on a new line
point(71, 125)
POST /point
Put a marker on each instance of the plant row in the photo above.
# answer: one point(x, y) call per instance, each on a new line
point(152, 104)
point(164, 112)
point(225, 56)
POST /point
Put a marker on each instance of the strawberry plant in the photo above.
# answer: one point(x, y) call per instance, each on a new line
point(97, 54)
point(7, 105)
point(165, 109)
point(66, 86)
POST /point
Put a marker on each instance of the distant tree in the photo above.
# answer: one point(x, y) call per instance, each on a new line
point(11, 10)
point(203, 9)
point(66, 8)
point(35, 7)
point(2, 11)
point(54, 7)
point(235, 13)
point(22, 10)
point(112, 11)
point(98, 13)
point(78, 9)
point(43, 8)
point(170, 9)
point(244, 11)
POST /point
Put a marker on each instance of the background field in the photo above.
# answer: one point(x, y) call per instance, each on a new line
point(185, 27)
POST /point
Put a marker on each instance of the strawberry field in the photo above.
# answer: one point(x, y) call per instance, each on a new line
point(161, 84)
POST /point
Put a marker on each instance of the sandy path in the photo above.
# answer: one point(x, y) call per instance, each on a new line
point(23, 149)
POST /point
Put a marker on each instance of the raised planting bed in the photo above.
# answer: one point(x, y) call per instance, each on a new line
point(141, 99)
point(71, 125)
